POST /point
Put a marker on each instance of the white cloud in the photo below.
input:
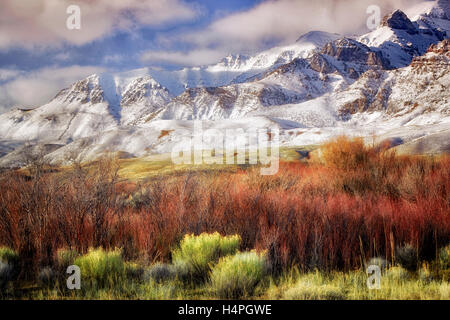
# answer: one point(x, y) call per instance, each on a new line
point(8, 74)
point(63, 56)
point(191, 58)
point(279, 21)
point(43, 22)
point(38, 87)
point(286, 20)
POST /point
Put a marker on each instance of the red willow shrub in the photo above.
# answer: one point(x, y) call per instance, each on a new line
point(307, 214)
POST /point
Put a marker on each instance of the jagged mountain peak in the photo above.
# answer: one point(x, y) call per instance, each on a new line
point(234, 61)
point(400, 38)
point(82, 91)
point(350, 50)
point(400, 21)
point(344, 43)
point(144, 90)
point(99, 102)
point(111, 88)
point(238, 68)
point(405, 91)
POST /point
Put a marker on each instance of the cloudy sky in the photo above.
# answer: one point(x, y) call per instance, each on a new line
point(39, 55)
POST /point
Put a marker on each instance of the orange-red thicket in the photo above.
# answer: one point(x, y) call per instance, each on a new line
point(327, 216)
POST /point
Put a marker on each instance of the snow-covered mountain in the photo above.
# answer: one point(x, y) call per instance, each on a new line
point(400, 38)
point(392, 82)
point(404, 104)
point(97, 103)
point(332, 68)
point(239, 68)
point(419, 89)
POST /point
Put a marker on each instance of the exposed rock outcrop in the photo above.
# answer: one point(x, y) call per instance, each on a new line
point(399, 20)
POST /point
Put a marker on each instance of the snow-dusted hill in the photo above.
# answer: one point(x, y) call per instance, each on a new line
point(392, 82)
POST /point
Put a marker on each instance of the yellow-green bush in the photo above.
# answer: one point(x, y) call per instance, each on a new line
point(237, 276)
point(101, 268)
point(304, 290)
point(66, 257)
point(444, 291)
point(444, 263)
point(396, 274)
point(198, 253)
point(295, 285)
point(425, 274)
point(444, 258)
point(9, 261)
point(9, 256)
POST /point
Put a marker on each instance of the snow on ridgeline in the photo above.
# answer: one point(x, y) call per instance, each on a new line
point(402, 36)
point(237, 68)
point(100, 102)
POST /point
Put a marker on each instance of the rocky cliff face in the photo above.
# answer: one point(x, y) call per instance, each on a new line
point(349, 50)
point(400, 40)
point(421, 87)
point(297, 81)
point(83, 91)
point(145, 90)
point(437, 57)
point(400, 21)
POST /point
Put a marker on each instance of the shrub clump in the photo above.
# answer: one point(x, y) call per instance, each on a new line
point(444, 258)
point(425, 274)
point(160, 272)
point(237, 276)
point(406, 256)
point(9, 263)
point(47, 277)
point(444, 263)
point(345, 153)
point(134, 271)
point(101, 268)
point(397, 274)
point(65, 257)
point(6, 275)
point(305, 290)
point(198, 253)
point(9, 256)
